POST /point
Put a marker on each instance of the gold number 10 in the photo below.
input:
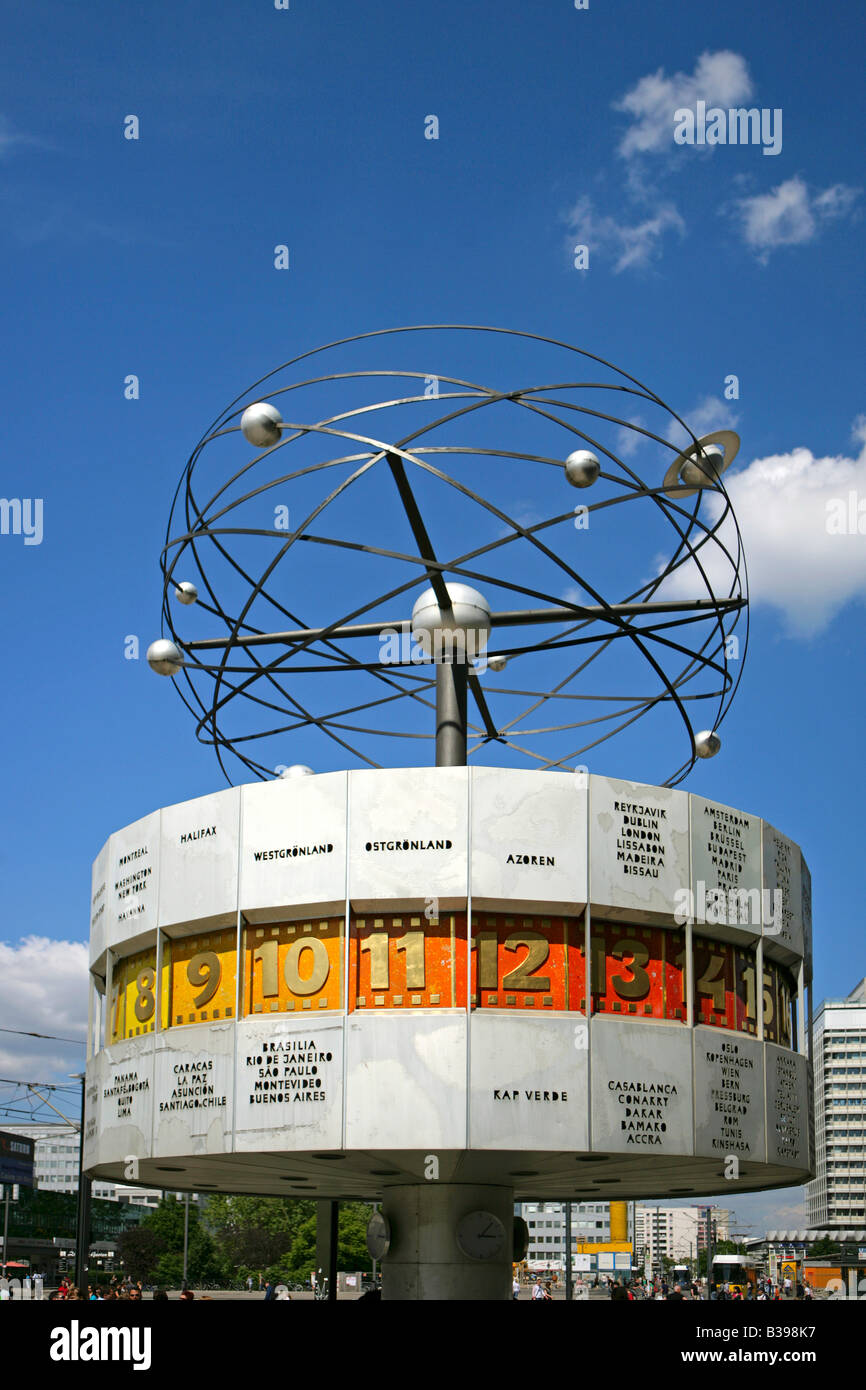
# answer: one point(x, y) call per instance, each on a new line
point(268, 954)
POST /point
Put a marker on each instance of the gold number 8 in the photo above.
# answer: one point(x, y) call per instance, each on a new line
point(145, 1003)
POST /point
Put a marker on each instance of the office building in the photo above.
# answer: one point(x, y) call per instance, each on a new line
point(837, 1195)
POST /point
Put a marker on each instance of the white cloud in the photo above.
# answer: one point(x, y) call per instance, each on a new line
point(710, 414)
point(43, 989)
point(755, 1213)
point(632, 246)
point(12, 139)
point(629, 441)
point(795, 564)
point(719, 79)
point(790, 216)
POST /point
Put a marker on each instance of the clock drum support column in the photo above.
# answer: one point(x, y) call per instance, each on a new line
point(448, 1241)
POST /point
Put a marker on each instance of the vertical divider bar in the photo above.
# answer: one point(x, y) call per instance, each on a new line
point(347, 925)
point(801, 1008)
point(109, 987)
point(240, 984)
point(158, 1020)
point(759, 987)
point(689, 982)
point(587, 949)
point(88, 1052)
point(689, 961)
point(239, 961)
point(468, 957)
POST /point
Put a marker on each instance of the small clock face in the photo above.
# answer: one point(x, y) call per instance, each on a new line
point(481, 1235)
point(378, 1235)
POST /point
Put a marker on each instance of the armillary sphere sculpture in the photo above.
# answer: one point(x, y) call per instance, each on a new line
point(394, 520)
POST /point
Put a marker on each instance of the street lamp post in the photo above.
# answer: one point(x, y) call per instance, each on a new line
point(6, 1228)
point(82, 1230)
point(185, 1237)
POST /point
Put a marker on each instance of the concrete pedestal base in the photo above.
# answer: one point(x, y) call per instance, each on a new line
point(426, 1262)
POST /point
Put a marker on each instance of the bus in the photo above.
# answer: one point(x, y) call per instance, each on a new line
point(734, 1272)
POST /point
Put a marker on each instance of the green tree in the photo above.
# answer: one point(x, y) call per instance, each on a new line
point(154, 1251)
point(140, 1249)
point(255, 1233)
point(166, 1222)
point(825, 1248)
point(352, 1251)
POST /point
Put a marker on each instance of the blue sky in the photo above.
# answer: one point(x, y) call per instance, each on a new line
point(306, 127)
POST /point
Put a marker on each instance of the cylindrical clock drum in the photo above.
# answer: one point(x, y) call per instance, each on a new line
point(447, 989)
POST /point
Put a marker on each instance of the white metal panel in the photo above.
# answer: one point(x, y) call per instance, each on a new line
point(133, 888)
point(408, 834)
point(528, 1083)
point(783, 935)
point(639, 849)
point(729, 1096)
point(294, 845)
point(641, 1087)
point(289, 1085)
point(99, 899)
point(199, 860)
point(406, 1081)
point(192, 1090)
point(529, 840)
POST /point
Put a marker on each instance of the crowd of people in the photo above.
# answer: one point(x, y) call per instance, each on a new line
point(661, 1290)
point(115, 1291)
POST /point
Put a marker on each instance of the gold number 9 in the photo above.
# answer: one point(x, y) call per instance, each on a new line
point(204, 969)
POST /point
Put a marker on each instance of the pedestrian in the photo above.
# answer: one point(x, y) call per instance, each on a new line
point(538, 1289)
point(515, 1287)
point(269, 1290)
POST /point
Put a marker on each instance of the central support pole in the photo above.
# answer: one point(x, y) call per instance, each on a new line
point(451, 685)
point(448, 1241)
